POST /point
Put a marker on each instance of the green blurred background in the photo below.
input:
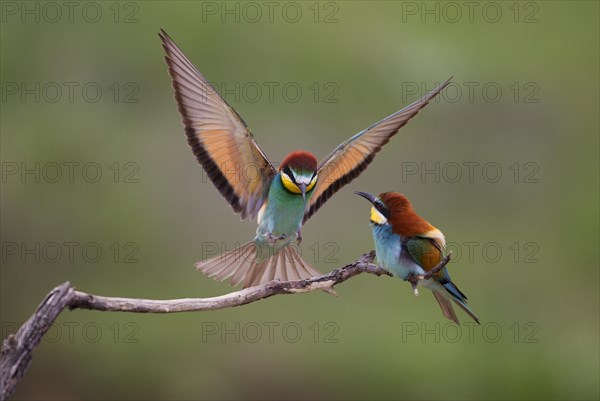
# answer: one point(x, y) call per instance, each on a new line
point(526, 242)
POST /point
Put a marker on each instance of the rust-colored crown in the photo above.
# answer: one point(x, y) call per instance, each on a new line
point(403, 218)
point(301, 160)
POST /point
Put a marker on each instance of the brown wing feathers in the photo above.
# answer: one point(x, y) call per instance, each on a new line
point(214, 172)
point(218, 136)
point(353, 156)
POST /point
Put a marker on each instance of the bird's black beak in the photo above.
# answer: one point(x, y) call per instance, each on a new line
point(303, 189)
point(367, 196)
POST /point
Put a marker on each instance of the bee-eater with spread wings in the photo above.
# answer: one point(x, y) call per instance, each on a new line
point(408, 246)
point(280, 199)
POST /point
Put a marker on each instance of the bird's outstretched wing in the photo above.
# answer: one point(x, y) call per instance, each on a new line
point(352, 157)
point(219, 137)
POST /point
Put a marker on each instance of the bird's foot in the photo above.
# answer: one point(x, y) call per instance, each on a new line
point(413, 279)
point(273, 239)
point(299, 238)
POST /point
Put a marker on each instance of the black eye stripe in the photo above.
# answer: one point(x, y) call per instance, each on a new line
point(382, 209)
point(289, 173)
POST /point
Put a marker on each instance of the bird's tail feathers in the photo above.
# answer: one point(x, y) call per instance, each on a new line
point(451, 292)
point(446, 306)
point(251, 264)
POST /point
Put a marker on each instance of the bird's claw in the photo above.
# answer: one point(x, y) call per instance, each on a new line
point(413, 279)
point(273, 239)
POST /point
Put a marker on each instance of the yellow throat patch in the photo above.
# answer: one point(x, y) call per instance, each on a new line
point(377, 217)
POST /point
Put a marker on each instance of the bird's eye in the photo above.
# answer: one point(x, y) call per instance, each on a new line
point(381, 208)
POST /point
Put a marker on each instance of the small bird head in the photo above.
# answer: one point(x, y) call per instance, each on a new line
point(380, 213)
point(395, 209)
point(298, 172)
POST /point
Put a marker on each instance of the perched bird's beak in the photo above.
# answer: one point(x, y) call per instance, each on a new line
point(367, 196)
point(303, 189)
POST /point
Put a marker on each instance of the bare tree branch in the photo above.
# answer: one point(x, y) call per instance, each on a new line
point(326, 282)
point(17, 348)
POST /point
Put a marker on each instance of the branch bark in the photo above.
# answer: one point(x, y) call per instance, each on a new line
point(17, 348)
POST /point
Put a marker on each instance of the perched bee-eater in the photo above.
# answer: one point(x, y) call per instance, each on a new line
point(280, 199)
point(408, 246)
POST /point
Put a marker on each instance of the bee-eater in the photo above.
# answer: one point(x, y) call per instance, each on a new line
point(408, 246)
point(280, 199)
